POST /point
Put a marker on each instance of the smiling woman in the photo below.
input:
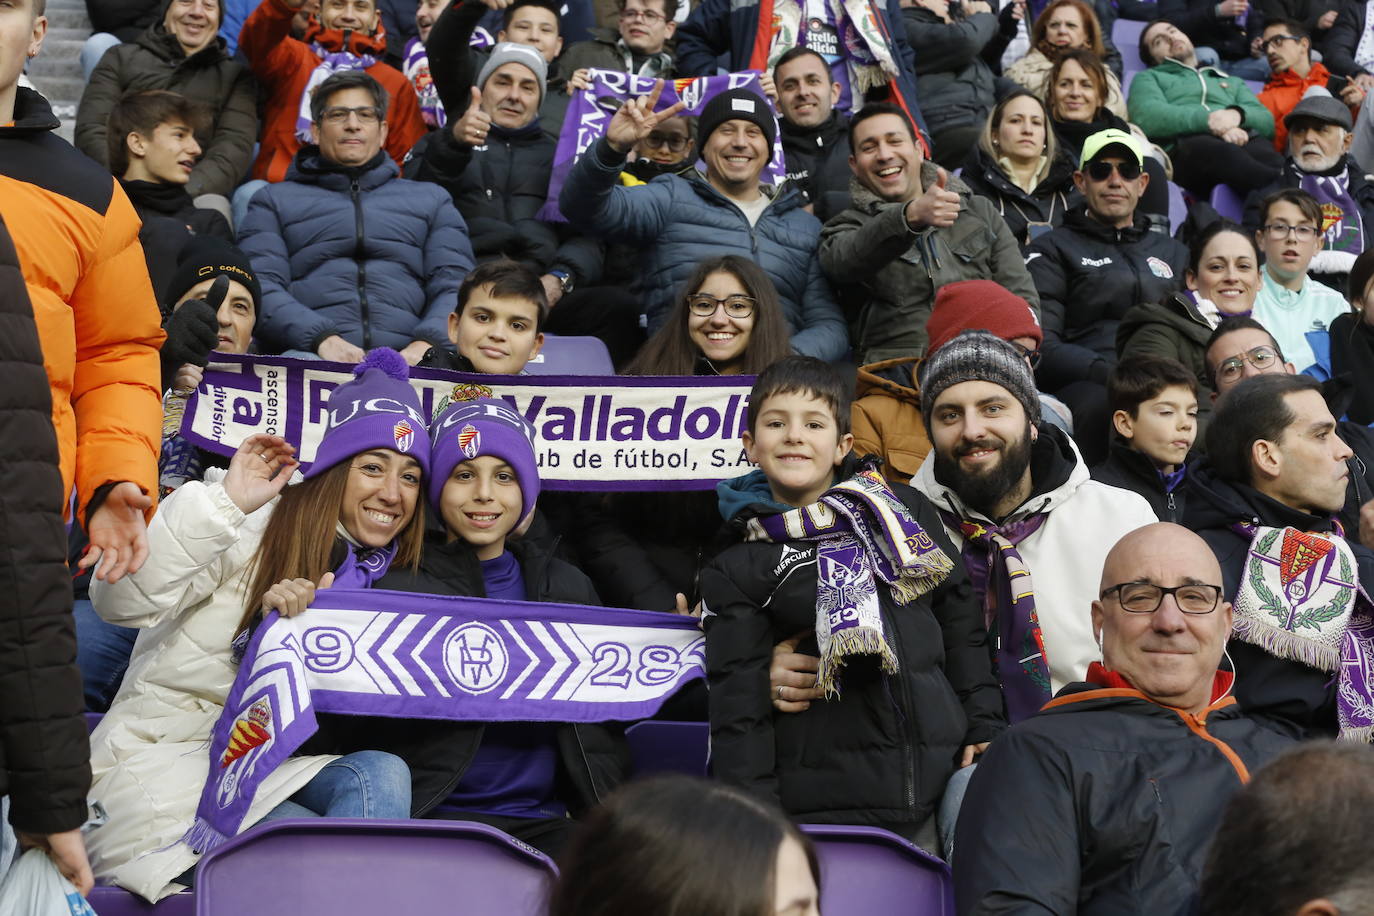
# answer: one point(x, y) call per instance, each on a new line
point(223, 553)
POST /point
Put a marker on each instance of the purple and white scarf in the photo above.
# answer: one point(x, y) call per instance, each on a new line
point(590, 110)
point(1342, 224)
point(861, 529)
point(1300, 599)
point(415, 66)
point(331, 62)
point(372, 652)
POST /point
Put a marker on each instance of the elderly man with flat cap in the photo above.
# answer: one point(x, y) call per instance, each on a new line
point(1320, 132)
point(1104, 802)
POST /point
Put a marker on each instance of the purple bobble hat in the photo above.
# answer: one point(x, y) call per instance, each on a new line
point(467, 430)
point(378, 408)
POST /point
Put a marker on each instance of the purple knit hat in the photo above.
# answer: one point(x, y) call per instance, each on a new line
point(377, 409)
point(465, 430)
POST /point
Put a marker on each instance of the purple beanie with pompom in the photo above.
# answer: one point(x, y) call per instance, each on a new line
point(377, 409)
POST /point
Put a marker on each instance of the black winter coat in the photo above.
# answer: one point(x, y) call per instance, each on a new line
point(818, 162)
point(499, 189)
point(1131, 470)
point(593, 758)
point(1199, 20)
point(955, 85)
point(1290, 690)
point(1088, 274)
point(170, 220)
point(1103, 804)
point(1343, 40)
point(44, 753)
point(1049, 203)
point(881, 753)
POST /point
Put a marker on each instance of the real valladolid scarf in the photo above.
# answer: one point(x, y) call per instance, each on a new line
point(860, 529)
point(374, 652)
point(867, 52)
point(1300, 599)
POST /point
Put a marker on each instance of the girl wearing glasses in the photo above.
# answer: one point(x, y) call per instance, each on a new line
point(645, 550)
point(1290, 304)
point(1223, 279)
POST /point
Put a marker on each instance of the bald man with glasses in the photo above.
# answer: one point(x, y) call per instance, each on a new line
point(1104, 802)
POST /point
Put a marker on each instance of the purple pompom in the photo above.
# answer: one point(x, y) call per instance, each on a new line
point(386, 359)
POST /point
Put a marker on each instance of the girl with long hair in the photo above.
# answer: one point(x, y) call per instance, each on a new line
point(1019, 166)
point(222, 553)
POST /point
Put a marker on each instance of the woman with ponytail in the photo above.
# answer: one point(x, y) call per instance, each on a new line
point(223, 552)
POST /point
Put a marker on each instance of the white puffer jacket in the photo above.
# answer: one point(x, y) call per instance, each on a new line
point(150, 754)
point(1084, 520)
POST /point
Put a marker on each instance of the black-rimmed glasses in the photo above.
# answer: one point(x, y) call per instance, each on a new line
point(1146, 597)
point(705, 305)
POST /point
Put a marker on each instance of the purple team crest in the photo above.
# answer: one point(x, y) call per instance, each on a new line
point(404, 435)
point(470, 441)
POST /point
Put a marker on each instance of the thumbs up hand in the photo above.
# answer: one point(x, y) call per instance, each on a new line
point(471, 129)
point(938, 206)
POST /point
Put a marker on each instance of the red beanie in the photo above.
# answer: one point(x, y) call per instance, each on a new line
point(979, 305)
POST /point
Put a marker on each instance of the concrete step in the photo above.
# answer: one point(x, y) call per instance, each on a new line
point(74, 18)
point(62, 49)
point(60, 89)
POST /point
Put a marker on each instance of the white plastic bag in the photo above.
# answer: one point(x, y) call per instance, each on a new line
point(34, 887)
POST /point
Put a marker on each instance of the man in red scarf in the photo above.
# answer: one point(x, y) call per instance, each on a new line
point(1104, 802)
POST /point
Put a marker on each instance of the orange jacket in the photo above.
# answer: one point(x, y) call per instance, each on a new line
point(98, 321)
point(283, 65)
point(1284, 91)
point(887, 417)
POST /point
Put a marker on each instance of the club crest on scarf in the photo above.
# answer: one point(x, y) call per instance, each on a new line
point(250, 730)
point(466, 391)
point(404, 435)
point(863, 533)
point(1300, 599)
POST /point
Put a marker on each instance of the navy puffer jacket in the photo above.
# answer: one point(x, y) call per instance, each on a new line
point(682, 221)
point(357, 252)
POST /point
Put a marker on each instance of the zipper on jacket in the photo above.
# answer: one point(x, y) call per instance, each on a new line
point(359, 255)
point(906, 708)
point(1172, 507)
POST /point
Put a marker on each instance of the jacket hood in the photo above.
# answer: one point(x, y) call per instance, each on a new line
point(1318, 74)
point(893, 377)
point(308, 167)
point(1057, 471)
point(32, 115)
point(347, 39)
point(1058, 178)
point(867, 201)
point(783, 198)
point(748, 494)
point(1216, 503)
point(1179, 312)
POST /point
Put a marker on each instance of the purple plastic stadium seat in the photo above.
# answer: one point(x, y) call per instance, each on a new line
point(371, 867)
point(571, 356)
point(1227, 202)
point(669, 747)
point(1178, 207)
point(108, 900)
point(866, 870)
point(1126, 37)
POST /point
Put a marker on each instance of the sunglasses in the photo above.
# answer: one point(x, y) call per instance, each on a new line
point(1101, 169)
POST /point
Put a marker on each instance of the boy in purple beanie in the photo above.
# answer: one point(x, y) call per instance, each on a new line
point(522, 777)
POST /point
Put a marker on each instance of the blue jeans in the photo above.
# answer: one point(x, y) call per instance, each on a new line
point(371, 784)
point(948, 815)
point(102, 654)
point(94, 49)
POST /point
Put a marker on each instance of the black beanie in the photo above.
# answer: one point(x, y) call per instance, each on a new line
point(205, 257)
point(737, 105)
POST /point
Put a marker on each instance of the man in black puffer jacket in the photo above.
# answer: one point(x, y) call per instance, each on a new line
point(44, 755)
point(1102, 261)
point(1103, 803)
point(815, 136)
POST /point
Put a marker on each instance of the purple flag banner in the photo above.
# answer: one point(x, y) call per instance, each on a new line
point(372, 652)
point(592, 109)
point(593, 432)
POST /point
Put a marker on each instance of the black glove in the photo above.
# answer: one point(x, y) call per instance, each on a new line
point(192, 332)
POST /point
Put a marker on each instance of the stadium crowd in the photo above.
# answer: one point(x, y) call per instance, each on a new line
point(1052, 545)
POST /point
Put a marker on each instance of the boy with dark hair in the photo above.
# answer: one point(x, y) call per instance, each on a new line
point(498, 325)
point(1154, 413)
point(828, 546)
point(152, 150)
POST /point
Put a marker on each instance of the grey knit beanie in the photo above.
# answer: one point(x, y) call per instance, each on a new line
point(510, 52)
point(977, 356)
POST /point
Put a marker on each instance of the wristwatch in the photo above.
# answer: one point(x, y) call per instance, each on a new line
point(565, 280)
